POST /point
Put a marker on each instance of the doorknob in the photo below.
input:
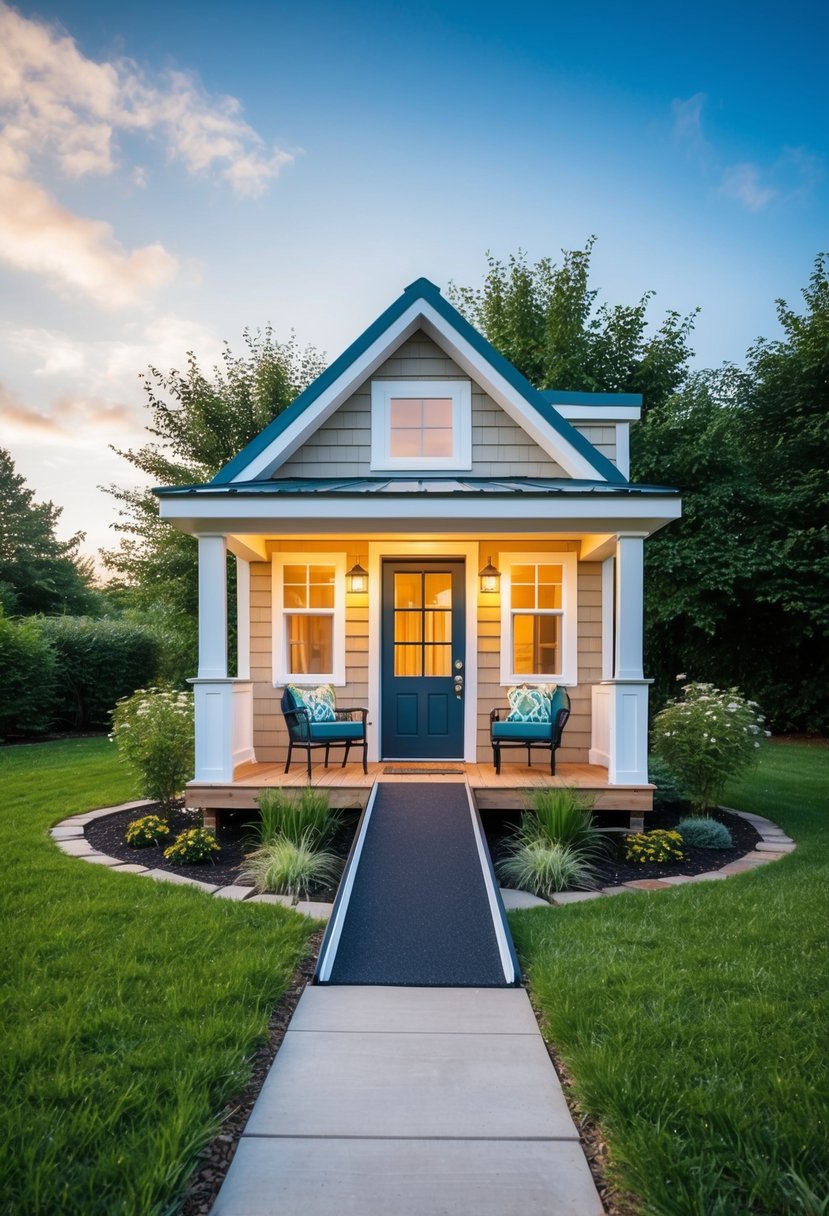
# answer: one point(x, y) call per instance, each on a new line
point(459, 686)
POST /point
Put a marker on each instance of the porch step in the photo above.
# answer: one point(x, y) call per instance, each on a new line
point(418, 905)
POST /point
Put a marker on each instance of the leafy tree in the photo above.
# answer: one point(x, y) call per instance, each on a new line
point(198, 423)
point(545, 319)
point(38, 572)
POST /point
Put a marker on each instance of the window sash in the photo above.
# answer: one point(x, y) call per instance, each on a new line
point(545, 587)
point(308, 587)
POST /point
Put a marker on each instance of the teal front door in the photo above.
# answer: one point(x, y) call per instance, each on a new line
point(423, 658)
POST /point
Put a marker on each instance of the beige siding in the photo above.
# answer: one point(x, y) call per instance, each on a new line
point(603, 439)
point(342, 446)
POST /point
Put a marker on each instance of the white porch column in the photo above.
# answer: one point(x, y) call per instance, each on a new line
point(243, 619)
point(620, 703)
point(212, 607)
point(223, 705)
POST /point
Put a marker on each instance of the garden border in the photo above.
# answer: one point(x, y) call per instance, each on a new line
point(69, 836)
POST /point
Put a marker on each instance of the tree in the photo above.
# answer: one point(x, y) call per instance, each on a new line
point(38, 572)
point(544, 318)
point(198, 424)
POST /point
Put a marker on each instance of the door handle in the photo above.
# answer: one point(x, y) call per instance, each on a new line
point(459, 686)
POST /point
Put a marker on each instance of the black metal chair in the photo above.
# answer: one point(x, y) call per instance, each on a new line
point(343, 732)
point(503, 733)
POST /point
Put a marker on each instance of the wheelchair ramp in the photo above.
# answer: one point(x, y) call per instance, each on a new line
point(418, 904)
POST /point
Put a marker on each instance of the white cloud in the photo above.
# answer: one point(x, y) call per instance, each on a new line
point(688, 121)
point(742, 182)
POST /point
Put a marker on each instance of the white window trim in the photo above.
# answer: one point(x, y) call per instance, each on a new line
point(569, 617)
point(460, 392)
point(281, 674)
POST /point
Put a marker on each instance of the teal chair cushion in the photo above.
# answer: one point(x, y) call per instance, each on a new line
point(329, 732)
point(521, 730)
point(559, 702)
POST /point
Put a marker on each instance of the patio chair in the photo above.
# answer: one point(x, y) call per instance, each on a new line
point(310, 726)
point(544, 729)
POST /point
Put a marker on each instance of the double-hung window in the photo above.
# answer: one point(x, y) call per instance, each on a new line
point(539, 630)
point(309, 618)
point(421, 424)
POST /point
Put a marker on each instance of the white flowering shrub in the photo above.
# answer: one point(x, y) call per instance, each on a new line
point(707, 737)
point(154, 732)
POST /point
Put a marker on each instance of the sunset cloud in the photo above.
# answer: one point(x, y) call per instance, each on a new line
point(83, 421)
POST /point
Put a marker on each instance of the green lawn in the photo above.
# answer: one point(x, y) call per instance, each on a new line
point(695, 1021)
point(129, 1007)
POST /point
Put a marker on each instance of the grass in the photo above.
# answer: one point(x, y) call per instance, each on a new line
point(129, 1008)
point(694, 1022)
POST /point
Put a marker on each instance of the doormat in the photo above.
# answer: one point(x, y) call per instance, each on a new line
point(398, 770)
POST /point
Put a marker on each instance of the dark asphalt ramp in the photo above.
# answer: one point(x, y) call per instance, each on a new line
point(419, 914)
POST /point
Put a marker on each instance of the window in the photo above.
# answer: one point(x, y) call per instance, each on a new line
point(539, 629)
point(421, 424)
point(309, 618)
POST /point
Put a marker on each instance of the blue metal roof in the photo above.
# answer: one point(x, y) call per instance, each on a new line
point(404, 486)
point(425, 290)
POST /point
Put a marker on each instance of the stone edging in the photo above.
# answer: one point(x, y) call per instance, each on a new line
point(69, 837)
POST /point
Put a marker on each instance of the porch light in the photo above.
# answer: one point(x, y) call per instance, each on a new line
point(357, 580)
point(490, 578)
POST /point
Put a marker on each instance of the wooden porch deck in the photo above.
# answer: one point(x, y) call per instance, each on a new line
point(350, 786)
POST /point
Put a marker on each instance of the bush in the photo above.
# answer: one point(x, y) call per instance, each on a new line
point(656, 846)
point(700, 832)
point(27, 673)
point(544, 867)
point(146, 831)
point(669, 792)
point(154, 732)
point(193, 846)
point(562, 816)
point(97, 663)
point(288, 867)
point(282, 815)
point(707, 738)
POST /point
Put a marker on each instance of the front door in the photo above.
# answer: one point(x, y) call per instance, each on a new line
point(424, 652)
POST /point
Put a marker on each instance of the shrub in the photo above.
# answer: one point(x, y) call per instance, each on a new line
point(544, 867)
point(146, 831)
point(154, 732)
point(669, 792)
point(562, 816)
point(27, 673)
point(193, 846)
point(700, 832)
point(656, 846)
point(282, 815)
point(97, 663)
point(707, 738)
point(288, 867)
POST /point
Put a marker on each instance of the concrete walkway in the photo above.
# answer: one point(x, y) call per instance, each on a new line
point(410, 1102)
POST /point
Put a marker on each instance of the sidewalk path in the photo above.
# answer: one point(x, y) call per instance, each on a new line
point(410, 1102)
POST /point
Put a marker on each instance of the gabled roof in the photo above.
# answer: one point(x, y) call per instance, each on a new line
point(421, 306)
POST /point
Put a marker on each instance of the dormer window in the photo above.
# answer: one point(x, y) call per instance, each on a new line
point(421, 425)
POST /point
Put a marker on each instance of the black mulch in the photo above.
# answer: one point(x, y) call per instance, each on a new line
point(236, 837)
point(615, 871)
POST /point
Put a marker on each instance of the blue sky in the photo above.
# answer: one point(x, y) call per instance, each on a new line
point(170, 174)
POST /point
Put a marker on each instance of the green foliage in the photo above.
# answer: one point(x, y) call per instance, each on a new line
point(198, 423)
point(656, 846)
point(563, 816)
point(701, 832)
point(545, 320)
point(669, 790)
point(192, 847)
point(282, 814)
point(27, 675)
point(97, 663)
point(544, 867)
point(38, 572)
point(131, 1009)
point(154, 732)
point(707, 738)
point(289, 867)
point(147, 830)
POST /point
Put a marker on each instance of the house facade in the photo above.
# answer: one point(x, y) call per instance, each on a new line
point(423, 530)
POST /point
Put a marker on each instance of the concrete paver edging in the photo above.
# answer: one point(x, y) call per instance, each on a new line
point(69, 837)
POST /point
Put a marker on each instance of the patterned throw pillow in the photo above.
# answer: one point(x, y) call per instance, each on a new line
point(530, 704)
point(319, 701)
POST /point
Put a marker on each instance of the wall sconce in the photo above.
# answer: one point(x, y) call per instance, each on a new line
point(490, 578)
point(357, 580)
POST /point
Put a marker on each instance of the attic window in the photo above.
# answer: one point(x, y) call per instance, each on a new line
point(421, 424)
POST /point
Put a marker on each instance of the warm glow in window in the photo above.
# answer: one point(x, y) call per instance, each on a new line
point(420, 426)
point(311, 619)
point(536, 612)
